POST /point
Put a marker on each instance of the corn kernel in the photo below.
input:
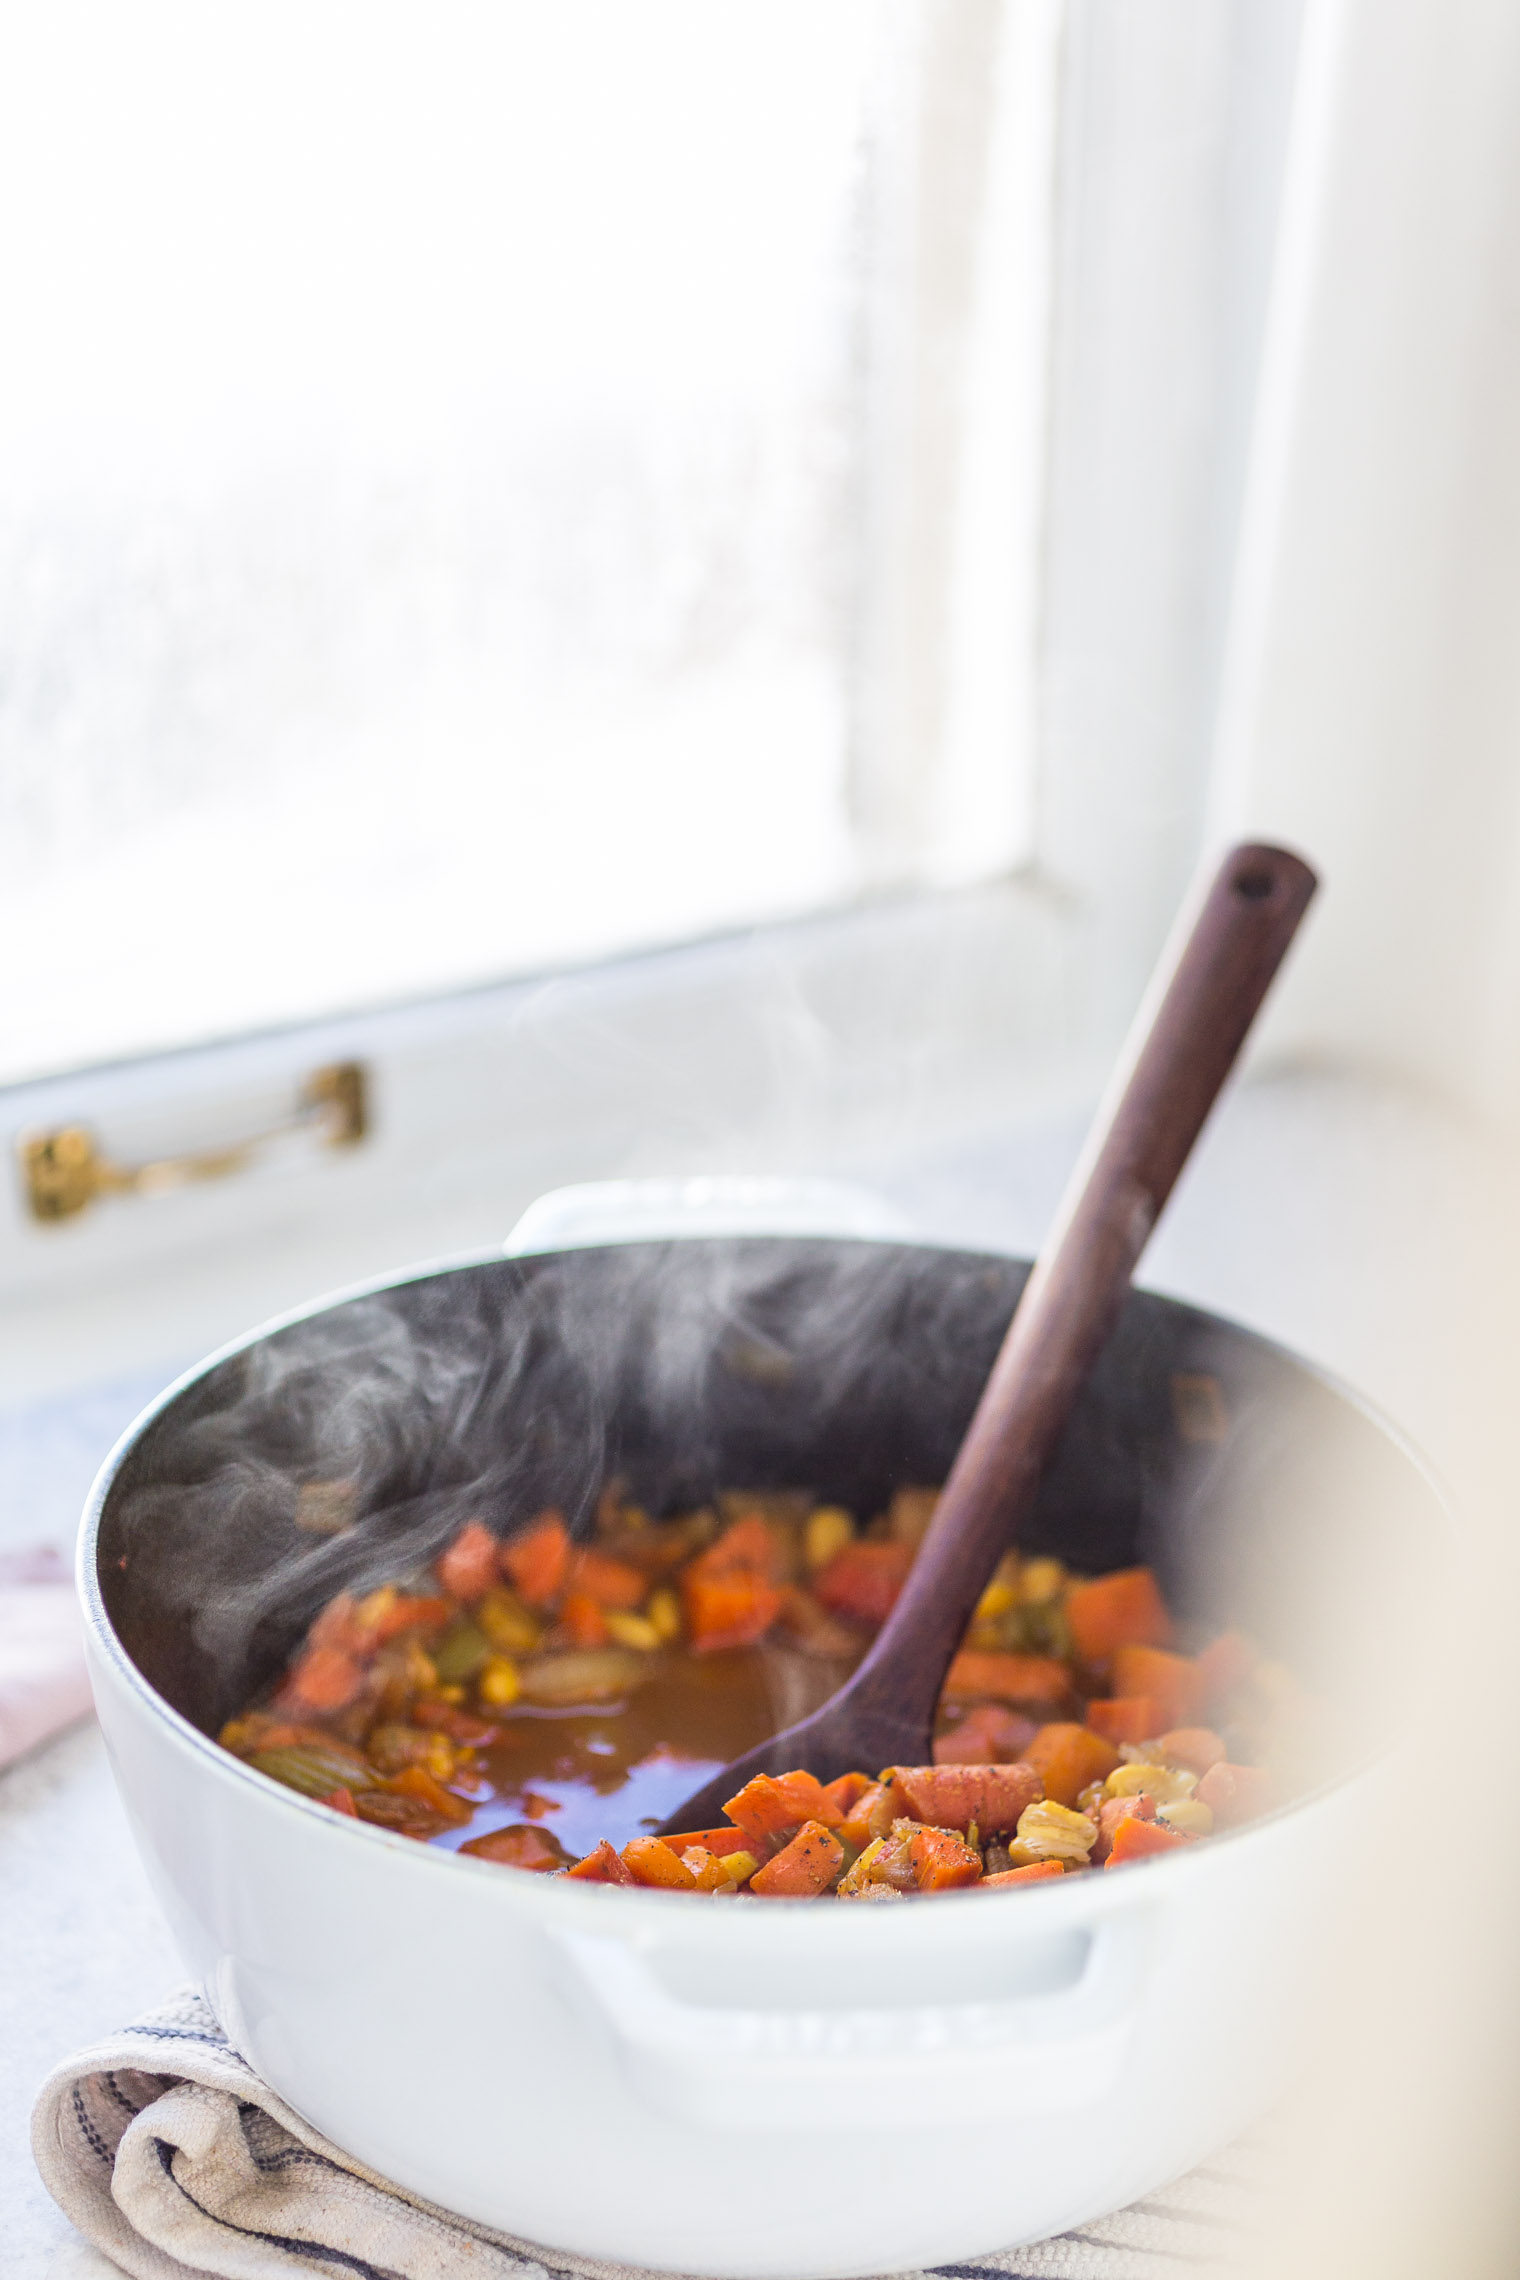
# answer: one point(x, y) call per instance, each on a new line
point(449, 1694)
point(631, 1630)
point(420, 1670)
point(1042, 1581)
point(435, 1755)
point(999, 1598)
point(664, 1613)
point(1163, 1782)
point(374, 1607)
point(1186, 1814)
point(858, 1875)
point(707, 1870)
point(829, 1528)
point(1048, 1831)
point(499, 1684)
point(506, 1623)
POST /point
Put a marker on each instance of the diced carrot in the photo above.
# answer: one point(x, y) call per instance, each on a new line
point(651, 1861)
point(416, 1781)
point(339, 1626)
point(341, 1801)
point(719, 1842)
point(324, 1678)
point(871, 1816)
point(953, 1796)
point(991, 1734)
point(1067, 1757)
point(941, 1861)
point(460, 1725)
point(977, 1672)
point(706, 1867)
point(536, 1562)
point(409, 1612)
point(846, 1791)
point(734, 1610)
point(747, 1547)
point(604, 1866)
point(1227, 1662)
point(1196, 1747)
point(1036, 1873)
point(1135, 1839)
point(862, 1580)
point(467, 1569)
point(520, 1846)
point(1111, 1812)
point(582, 1620)
point(772, 1805)
point(611, 1583)
point(1132, 1718)
point(1234, 1793)
point(1173, 1682)
point(803, 1868)
point(1124, 1609)
point(729, 1590)
point(805, 1791)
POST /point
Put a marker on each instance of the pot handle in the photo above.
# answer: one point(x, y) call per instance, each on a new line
point(651, 1211)
point(1055, 2050)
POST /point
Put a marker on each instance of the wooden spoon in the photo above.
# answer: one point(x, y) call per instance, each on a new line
point(1186, 1037)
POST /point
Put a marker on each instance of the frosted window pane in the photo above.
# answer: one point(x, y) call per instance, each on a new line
point(428, 512)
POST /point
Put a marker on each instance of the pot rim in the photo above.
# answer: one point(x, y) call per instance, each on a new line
point(1085, 1896)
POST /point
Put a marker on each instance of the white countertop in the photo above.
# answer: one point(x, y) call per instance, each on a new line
point(1359, 1224)
point(85, 1946)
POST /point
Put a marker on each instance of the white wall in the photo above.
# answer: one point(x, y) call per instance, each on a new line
point(1372, 711)
point(1174, 128)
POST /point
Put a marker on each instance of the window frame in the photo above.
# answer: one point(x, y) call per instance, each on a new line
point(809, 1043)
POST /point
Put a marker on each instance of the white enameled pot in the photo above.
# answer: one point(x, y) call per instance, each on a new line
point(742, 2088)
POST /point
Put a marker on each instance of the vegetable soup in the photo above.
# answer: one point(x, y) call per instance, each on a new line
point(545, 1705)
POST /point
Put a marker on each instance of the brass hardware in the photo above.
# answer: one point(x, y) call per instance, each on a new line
point(66, 1170)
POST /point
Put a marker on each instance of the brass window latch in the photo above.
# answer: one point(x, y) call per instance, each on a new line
point(66, 1170)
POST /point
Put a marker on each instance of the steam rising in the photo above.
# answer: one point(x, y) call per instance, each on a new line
point(346, 1450)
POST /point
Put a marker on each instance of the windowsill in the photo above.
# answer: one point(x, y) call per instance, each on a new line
point(810, 1046)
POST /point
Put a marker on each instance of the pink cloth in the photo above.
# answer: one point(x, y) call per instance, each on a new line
point(43, 1686)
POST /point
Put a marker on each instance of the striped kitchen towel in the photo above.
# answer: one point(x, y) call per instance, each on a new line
point(169, 2153)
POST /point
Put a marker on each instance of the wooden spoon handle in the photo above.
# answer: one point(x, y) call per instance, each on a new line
point(1184, 1042)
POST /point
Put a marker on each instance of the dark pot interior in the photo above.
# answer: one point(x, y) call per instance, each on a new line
point(1260, 1493)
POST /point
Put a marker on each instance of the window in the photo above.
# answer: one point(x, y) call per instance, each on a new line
point(496, 491)
point(429, 448)
point(490, 490)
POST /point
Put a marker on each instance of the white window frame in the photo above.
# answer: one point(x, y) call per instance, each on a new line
point(810, 1045)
